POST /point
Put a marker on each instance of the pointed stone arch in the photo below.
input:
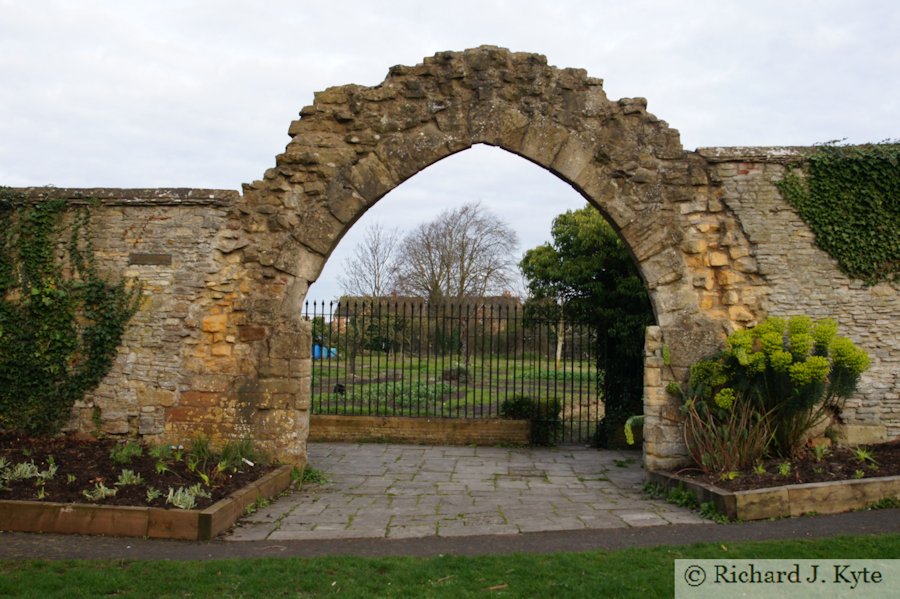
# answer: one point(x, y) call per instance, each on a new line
point(355, 144)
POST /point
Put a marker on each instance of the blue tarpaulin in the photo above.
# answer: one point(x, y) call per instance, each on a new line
point(319, 352)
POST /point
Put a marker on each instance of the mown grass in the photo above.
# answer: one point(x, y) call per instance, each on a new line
point(632, 572)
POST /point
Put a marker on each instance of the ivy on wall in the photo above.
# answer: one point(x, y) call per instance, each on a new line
point(850, 197)
point(61, 322)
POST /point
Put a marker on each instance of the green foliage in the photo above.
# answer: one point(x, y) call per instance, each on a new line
point(791, 373)
point(128, 477)
point(123, 453)
point(313, 476)
point(849, 198)
point(633, 421)
point(724, 440)
point(589, 274)
point(61, 322)
point(517, 407)
point(543, 416)
point(100, 491)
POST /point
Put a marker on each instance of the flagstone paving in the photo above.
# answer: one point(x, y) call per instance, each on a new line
point(403, 491)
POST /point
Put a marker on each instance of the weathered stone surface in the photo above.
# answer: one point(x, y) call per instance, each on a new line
point(218, 347)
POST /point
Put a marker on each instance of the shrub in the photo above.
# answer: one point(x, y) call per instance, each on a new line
point(517, 407)
point(792, 373)
point(545, 425)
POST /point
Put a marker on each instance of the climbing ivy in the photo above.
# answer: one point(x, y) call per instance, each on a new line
point(850, 197)
point(61, 322)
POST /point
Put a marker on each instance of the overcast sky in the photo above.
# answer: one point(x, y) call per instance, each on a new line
point(201, 93)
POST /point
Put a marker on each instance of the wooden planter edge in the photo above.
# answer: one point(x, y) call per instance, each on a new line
point(832, 497)
point(131, 521)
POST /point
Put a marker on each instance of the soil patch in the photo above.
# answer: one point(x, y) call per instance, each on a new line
point(839, 463)
point(83, 463)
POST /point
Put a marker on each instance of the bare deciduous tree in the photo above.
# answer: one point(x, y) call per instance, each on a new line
point(369, 272)
point(465, 252)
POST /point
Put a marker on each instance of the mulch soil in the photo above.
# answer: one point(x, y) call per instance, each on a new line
point(84, 462)
point(840, 463)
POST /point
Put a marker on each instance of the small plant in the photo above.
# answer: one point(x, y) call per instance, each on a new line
point(260, 503)
point(709, 511)
point(49, 473)
point(759, 468)
point(820, 452)
point(238, 453)
point(313, 476)
point(41, 493)
point(682, 497)
point(153, 494)
point(123, 453)
point(70, 479)
point(199, 491)
point(886, 503)
point(128, 477)
point(859, 473)
point(100, 491)
point(160, 452)
point(730, 475)
point(182, 498)
point(22, 471)
point(200, 449)
point(864, 455)
point(784, 469)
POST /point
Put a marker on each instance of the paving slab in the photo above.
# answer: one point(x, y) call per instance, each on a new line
point(405, 491)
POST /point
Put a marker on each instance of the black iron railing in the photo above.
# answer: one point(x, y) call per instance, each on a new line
point(459, 360)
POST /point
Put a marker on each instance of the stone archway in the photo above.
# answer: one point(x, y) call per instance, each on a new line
point(355, 144)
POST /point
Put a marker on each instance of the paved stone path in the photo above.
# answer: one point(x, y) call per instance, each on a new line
point(405, 491)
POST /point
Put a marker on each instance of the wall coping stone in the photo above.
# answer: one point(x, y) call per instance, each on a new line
point(111, 196)
point(765, 154)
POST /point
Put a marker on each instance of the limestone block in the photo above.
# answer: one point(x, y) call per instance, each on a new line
point(863, 434)
point(215, 323)
point(717, 258)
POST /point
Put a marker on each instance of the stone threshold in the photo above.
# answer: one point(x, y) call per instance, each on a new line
point(150, 522)
point(789, 500)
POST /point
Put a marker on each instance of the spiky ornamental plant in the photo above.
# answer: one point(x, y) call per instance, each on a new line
point(796, 371)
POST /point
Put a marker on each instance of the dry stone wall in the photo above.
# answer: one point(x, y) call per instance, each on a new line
point(219, 346)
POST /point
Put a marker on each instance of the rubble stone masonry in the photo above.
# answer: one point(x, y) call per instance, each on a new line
point(219, 347)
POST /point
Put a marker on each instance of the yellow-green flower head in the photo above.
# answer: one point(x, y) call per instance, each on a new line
point(845, 353)
point(771, 342)
point(770, 325)
point(814, 370)
point(824, 332)
point(780, 360)
point(741, 341)
point(725, 398)
point(757, 362)
point(799, 324)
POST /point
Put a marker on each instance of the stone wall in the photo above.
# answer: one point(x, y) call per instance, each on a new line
point(165, 240)
point(219, 346)
point(802, 279)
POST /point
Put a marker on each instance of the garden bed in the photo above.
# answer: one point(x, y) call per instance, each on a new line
point(50, 491)
point(841, 481)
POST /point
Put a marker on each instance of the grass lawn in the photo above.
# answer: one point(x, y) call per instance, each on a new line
point(640, 573)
